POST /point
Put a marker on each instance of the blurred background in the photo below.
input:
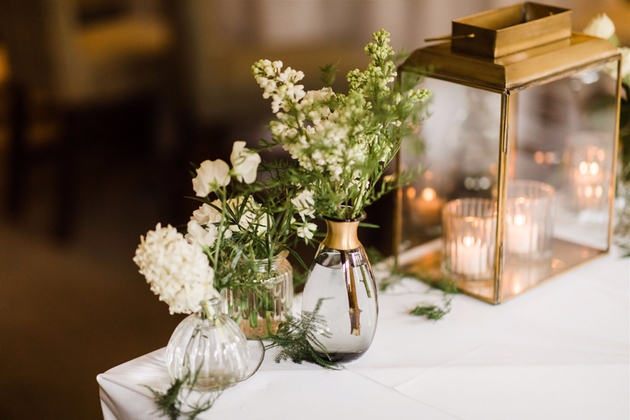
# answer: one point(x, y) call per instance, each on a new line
point(103, 105)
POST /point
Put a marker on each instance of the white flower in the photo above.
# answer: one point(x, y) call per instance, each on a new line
point(304, 204)
point(625, 65)
point(252, 217)
point(244, 162)
point(201, 236)
point(177, 271)
point(207, 214)
point(304, 230)
point(600, 26)
point(211, 175)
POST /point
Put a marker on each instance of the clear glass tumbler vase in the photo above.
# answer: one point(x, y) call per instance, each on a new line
point(263, 299)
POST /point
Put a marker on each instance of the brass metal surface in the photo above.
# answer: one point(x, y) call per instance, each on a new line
point(566, 257)
point(511, 29)
point(341, 235)
point(515, 71)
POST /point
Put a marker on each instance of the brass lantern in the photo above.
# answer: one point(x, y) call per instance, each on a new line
point(520, 152)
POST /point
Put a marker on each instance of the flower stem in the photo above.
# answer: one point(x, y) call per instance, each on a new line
point(353, 304)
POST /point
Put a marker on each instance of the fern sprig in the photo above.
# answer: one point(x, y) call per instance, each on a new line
point(297, 339)
point(171, 402)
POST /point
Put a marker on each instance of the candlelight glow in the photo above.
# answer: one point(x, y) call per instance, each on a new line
point(519, 220)
point(428, 194)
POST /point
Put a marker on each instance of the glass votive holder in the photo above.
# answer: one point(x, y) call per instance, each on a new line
point(529, 220)
point(469, 226)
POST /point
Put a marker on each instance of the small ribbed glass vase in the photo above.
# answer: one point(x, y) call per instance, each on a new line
point(263, 299)
point(207, 350)
point(341, 277)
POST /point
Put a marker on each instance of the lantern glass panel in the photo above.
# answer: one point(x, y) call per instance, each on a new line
point(460, 160)
point(559, 177)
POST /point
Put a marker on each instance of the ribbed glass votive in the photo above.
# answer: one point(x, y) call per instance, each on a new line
point(529, 220)
point(469, 238)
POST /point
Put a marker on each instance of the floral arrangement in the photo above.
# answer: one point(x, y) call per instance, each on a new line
point(343, 143)
point(243, 217)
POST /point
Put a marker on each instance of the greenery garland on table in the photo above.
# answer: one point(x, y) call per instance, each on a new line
point(396, 275)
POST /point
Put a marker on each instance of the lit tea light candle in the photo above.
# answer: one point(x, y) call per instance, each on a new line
point(522, 235)
point(429, 206)
point(587, 174)
point(529, 220)
point(469, 232)
point(471, 257)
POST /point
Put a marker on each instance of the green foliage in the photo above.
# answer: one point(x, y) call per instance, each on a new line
point(396, 275)
point(297, 340)
point(434, 312)
point(172, 402)
point(328, 74)
point(343, 143)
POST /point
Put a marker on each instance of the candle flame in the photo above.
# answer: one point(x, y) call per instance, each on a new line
point(468, 240)
point(598, 191)
point(428, 194)
point(519, 220)
point(586, 168)
point(588, 191)
point(594, 170)
point(583, 168)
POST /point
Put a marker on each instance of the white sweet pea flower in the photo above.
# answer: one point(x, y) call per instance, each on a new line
point(600, 26)
point(201, 236)
point(244, 162)
point(211, 175)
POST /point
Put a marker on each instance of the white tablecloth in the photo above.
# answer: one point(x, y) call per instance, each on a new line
point(560, 351)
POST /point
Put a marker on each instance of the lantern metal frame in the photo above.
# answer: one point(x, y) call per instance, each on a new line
point(505, 51)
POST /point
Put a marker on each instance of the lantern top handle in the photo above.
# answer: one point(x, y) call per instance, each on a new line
point(507, 30)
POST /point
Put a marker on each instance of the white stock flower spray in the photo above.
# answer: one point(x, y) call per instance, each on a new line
point(343, 143)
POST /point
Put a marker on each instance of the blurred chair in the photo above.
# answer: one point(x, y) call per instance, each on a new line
point(80, 55)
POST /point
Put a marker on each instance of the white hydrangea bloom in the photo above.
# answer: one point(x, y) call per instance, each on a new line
point(177, 271)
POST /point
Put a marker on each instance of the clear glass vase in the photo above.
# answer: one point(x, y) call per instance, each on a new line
point(207, 350)
point(341, 276)
point(264, 297)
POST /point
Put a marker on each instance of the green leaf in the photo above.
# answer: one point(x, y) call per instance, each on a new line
point(297, 340)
